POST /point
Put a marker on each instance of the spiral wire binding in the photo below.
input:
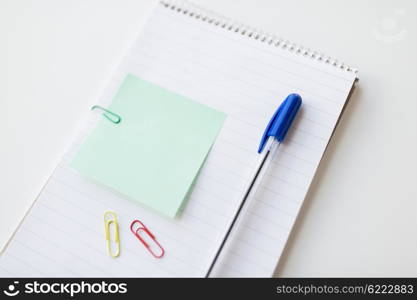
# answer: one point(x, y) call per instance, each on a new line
point(205, 15)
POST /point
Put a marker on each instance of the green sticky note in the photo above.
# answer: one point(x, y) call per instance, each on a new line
point(154, 154)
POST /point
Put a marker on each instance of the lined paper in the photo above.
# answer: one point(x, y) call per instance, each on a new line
point(63, 235)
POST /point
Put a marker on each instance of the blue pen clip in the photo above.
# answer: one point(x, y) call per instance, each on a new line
point(281, 120)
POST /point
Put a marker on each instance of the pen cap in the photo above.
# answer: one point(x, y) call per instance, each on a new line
point(282, 119)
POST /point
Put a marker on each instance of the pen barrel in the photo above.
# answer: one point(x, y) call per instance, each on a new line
point(263, 166)
point(247, 201)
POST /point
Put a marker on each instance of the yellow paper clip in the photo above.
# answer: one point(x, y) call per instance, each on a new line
point(109, 219)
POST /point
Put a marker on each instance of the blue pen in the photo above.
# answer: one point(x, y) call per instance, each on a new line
point(274, 135)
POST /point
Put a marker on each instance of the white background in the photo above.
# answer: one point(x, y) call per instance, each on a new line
point(360, 216)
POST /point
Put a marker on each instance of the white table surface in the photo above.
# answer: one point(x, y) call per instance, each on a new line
point(360, 216)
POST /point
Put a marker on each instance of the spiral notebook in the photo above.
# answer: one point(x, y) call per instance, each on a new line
point(234, 69)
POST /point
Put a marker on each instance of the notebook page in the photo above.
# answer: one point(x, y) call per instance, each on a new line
point(243, 77)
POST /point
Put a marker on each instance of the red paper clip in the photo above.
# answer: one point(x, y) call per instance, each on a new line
point(142, 227)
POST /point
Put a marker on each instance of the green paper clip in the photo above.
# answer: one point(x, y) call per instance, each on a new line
point(111, 116)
